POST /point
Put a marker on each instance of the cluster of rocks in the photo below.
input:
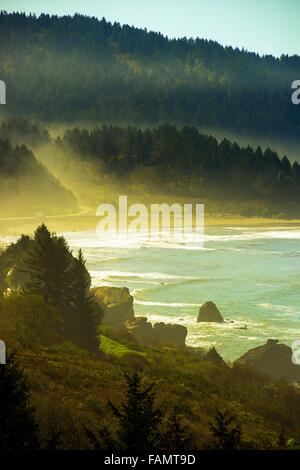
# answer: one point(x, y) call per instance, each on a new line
point(117, 306)
point(273, 358)
point(159, 333)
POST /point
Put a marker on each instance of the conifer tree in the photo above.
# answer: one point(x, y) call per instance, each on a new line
point(226, 431)
point(138, 417)
point(18, 428)
point(138, 420)
point(48, 264)
point(64, 282)
point(176, 438)
point(85, 312)
point(140, 425)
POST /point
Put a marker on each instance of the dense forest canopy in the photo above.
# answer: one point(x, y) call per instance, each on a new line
point(165, 159)
point(24, 132)
point(80, 68)
point(208, 167)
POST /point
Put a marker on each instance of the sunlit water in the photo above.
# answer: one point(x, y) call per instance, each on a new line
point(252, 274)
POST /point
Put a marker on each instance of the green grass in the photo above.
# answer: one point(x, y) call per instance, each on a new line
point(112, 347)
point(73, 387)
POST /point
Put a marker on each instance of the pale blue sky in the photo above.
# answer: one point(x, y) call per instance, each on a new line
point(264, 26)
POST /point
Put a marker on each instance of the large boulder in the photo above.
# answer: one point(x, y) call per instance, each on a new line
point(272, 358)
point(170, 334)
point(159, 334)
point(209, 312)
point(140, 329)
point(117, 305)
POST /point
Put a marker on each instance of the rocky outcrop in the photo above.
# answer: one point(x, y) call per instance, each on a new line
point(272, 358)
point(170, 334)
point(117, 305)
point(209, 312)
point(140, 329)
point(159, 333)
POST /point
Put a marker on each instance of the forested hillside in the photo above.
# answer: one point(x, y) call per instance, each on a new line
point(79, 68)
point(213, 168)
point(27, 187)
point(95, 163)
point(181, 162)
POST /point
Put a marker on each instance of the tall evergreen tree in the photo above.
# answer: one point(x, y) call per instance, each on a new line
point(138, 420)
point(226, 431)
point(64, 282)
point(176, 437)
point(85, 311)
point(18, 428)
point(141, 425)
point(48, 264)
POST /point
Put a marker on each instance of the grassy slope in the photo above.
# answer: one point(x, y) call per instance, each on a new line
point(70, 385)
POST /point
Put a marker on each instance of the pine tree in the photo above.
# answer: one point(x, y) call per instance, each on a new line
point(48, 264)
point(18, 428)
point(226, 431)
point(176, 438)
point(85, 312)
point(36, 263)
point(64, 282)
point(138, 420)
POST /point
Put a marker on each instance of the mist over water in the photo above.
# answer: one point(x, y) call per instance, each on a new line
point(251, 273)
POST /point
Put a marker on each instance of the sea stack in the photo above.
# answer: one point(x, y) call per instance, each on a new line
point(209, 312)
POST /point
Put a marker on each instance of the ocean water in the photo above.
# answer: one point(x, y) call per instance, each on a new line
point(251, 273)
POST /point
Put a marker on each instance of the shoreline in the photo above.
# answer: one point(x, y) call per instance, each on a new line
point(16, 226)
point(85, 221)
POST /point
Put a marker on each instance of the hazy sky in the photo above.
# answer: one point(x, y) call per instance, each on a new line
point(264, 26)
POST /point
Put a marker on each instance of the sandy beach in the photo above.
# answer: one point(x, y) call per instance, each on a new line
point(87, 220)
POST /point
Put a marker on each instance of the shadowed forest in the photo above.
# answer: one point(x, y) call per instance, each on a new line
point(97, 71)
